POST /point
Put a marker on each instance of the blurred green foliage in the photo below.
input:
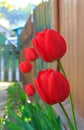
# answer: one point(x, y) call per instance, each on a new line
point(23, 115)
point(33, 117)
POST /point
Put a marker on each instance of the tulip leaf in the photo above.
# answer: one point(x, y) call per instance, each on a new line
point(30, 112)
point(51, 114)
point(27, 126)
point(22, 96)
point(38, 118)
point(11, 126)
point(35, 117)
point(59, 123)
point(18, 122)
point(16, 119)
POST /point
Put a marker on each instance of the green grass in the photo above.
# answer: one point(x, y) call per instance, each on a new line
point(14, 96)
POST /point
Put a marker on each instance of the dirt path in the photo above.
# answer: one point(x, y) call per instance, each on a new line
point(3, 98)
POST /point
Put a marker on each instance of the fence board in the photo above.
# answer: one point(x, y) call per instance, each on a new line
point(9, 70)
point(42, 16)
point(68, 19)
point(72, 28)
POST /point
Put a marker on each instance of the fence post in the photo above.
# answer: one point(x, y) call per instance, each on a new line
point(5, 63)
point(55, 14)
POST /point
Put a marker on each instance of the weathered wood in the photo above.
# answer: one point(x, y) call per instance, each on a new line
point(72, 28)
point(68, 19)
point(9, 70)
point(42, 16)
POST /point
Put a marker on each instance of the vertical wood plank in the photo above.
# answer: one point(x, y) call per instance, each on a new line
point(55, 20)
point(72, 28)
point(0, 63)
point(54, 14)
point(80, 38)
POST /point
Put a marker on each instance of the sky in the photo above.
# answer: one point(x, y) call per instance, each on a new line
point(17, 4)
point(22, 3)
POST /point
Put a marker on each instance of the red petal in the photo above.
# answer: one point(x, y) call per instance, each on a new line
point(56, 44)
point(43, 77)
point(30, 54)
point(25, 67)
point(40, 48)
point(59, 88)
point(37, 47)
point(40, 90)
point(29, 89)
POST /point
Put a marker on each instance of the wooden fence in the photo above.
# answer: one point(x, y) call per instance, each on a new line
point(42, 16)
point(66, 17)
point(68, 14)
point(72, 28)
point(40, 19)
point(9, 70)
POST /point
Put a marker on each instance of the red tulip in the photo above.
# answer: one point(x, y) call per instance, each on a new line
point(52, 86)
point(29, 90)
point(30, 54)
point(49, 45)
point(25, 67)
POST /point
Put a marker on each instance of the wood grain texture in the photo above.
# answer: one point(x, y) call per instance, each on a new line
point(72, 28)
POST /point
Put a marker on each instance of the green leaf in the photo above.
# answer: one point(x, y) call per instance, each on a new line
point(11, 126)
point(14, 118)
point(51, 114)
point(59, 123)
point(35, 120)
point(22, 96)
point(35, 113)
point(46, 123)
point(27, 126)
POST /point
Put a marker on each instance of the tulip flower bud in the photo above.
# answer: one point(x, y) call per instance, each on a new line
point(25, 67)
point(52, 86)
point(29, 90)
point(49, 45)
point(30, 54)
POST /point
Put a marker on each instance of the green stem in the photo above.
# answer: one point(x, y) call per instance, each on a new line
point(73, 113)
point(67, 117)
point(70, 97)
point(61, 67)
